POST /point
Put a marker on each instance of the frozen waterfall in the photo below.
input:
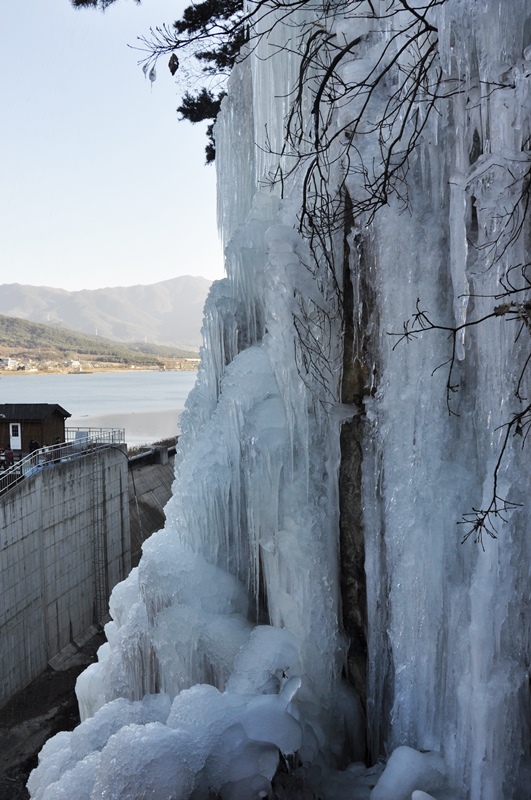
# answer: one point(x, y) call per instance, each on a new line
point(309, 623)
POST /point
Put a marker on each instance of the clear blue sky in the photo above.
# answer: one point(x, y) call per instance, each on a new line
point(100, 184)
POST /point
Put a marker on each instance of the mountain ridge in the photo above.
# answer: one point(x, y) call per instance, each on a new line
point(167, 313)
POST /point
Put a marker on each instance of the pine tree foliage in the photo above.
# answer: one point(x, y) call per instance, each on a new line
point(199, 18)
point(210, 33)
point(202, 106)
point(102, 5)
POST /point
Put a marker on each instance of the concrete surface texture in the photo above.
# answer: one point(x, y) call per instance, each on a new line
point(64, 543)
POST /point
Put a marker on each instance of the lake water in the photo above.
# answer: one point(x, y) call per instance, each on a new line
point(147, 404)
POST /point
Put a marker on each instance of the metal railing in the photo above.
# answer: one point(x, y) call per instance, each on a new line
point(79, 442)
point(101, 435)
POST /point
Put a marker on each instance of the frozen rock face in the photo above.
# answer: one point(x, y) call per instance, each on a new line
point(447, 631)
point(311, 542)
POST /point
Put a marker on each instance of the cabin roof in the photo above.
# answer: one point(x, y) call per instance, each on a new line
point(15, 412)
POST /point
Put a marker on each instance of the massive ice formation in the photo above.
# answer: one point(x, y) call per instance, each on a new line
point(311, 543)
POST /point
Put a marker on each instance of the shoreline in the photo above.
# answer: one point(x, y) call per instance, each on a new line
point(10, 372)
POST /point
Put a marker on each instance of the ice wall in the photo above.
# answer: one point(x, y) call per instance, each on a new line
point(225, 672)
point(455, 619)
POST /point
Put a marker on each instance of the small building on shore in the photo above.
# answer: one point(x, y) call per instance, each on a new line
point(20, 423)
point(8, 363)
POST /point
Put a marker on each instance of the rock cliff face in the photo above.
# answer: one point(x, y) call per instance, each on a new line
point(150, 482)
point(363, 389)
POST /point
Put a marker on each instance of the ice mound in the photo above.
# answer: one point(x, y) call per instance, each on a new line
point(206, 741)
point(271, 656)
point(268, 722)
point(408, 770)
point(73, 757)
point(418, 795)
point(150, 756)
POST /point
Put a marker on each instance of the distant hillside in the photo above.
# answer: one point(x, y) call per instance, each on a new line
point(166, 313)
point(33, 343)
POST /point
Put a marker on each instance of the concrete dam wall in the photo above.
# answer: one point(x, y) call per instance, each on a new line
point(64, 545)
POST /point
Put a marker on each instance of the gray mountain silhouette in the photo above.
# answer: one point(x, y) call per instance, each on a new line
point(169, 312)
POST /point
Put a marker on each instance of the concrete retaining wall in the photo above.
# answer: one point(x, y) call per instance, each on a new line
point(150, 487)
point(64, 544)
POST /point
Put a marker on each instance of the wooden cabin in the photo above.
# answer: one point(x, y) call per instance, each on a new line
point(21, 423)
